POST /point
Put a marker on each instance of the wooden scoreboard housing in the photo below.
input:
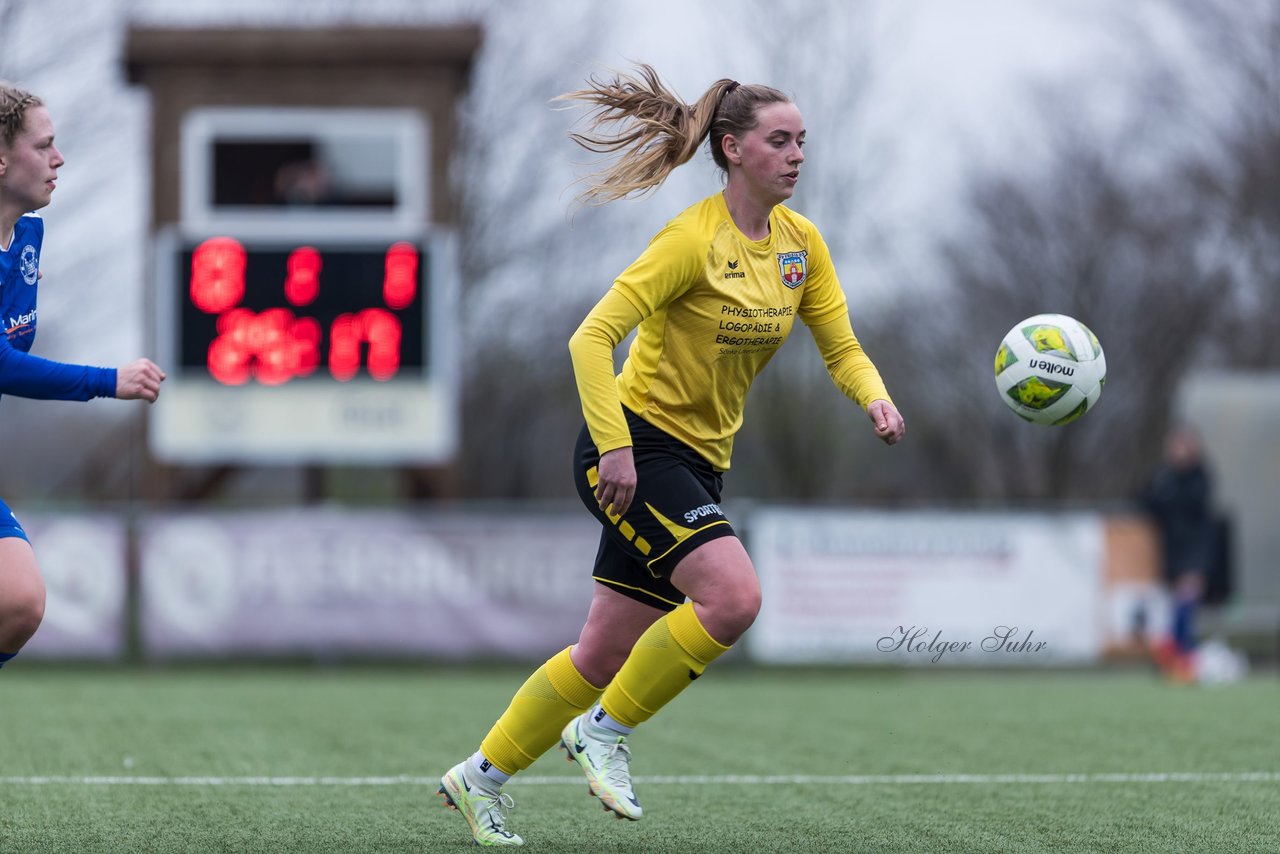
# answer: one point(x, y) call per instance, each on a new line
point(304, 264)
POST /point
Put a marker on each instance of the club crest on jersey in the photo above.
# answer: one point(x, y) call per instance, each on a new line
point(27, 264)
point(793, 269)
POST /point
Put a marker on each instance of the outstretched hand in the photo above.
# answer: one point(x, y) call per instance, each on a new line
point(888, 423)
point(139, 380)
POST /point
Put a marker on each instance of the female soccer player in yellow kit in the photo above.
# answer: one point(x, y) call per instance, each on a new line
point(714, 295)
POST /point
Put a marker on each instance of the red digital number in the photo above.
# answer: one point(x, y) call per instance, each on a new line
point(272, 347)
point(217, 274)
point(302, 278)
point(401, 283)
point(275, 346)
point(375, 327)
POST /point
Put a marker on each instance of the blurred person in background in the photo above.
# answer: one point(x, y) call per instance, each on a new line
point(304, 183)
point(1177, 498)
point(713, 296)
point(29, 163)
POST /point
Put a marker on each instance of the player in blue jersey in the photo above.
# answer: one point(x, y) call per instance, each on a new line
point(29, 163)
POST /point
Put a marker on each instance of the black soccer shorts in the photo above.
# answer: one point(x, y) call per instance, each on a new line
point(676, 509)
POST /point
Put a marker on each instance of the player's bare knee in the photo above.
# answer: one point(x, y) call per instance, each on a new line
point(743, 608)
point(603, 667)
point(598, 662)
point(729, 614)
point(29, 619)
point(21, 617)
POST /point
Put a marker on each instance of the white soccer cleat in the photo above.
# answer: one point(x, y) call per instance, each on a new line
point(606, 760)
point(481, 803)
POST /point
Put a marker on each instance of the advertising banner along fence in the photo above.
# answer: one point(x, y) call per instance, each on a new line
point(338, 582)
point(927, 588)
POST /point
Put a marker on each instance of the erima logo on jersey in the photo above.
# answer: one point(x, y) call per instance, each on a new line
point(705, 510)
point(27, 263)
point(734, 272)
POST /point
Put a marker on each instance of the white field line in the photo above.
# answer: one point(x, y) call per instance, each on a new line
point(677, 780)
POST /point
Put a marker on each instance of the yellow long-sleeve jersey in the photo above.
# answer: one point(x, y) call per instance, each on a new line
point(712, 307)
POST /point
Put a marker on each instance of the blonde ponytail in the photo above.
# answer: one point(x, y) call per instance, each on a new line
point(654, 130)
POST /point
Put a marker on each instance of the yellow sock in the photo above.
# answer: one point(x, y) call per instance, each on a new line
point(668, 657)
point(555, 694)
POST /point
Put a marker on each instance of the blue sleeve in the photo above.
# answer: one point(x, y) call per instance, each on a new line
point(25, 375)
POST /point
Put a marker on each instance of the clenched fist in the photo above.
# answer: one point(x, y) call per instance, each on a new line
point(139, 380)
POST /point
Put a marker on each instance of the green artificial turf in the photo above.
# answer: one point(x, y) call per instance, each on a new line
point(343, 759)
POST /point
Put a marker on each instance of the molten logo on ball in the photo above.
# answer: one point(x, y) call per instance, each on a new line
point(1050, 369)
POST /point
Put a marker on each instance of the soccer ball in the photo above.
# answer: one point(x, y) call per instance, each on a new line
point(1050, 369)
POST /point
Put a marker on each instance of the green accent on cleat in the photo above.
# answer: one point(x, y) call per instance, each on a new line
point(481, 804)
point(606, 762)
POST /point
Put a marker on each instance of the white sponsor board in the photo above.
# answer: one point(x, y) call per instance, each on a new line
point(927, 588)
point(82, 560)
point(331, 582)
point(363, 421)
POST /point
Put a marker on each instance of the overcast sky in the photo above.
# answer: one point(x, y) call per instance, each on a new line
point(948, 88)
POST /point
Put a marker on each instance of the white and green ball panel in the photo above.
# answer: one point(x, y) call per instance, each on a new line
point(1050, 369)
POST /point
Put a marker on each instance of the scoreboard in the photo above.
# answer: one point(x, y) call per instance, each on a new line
point(262, 315)
point(304, 349)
